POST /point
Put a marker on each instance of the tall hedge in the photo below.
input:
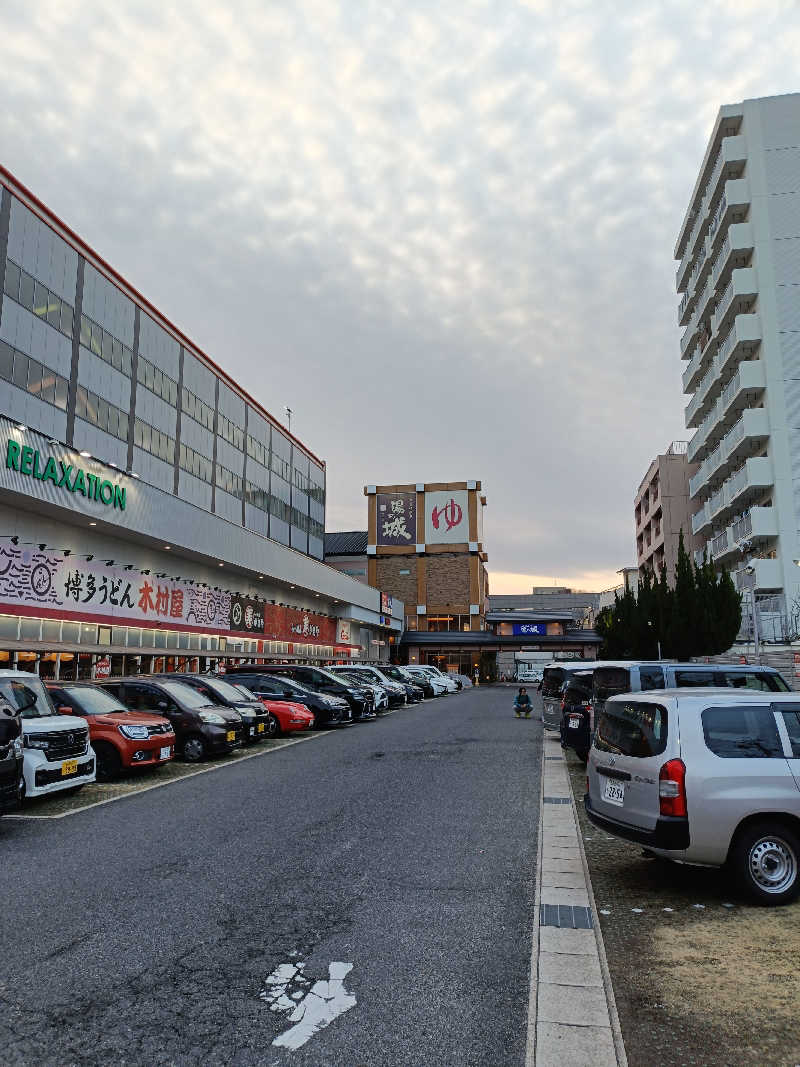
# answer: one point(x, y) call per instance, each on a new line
point(698, 615)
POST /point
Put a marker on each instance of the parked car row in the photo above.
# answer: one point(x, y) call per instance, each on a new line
point(59, 736)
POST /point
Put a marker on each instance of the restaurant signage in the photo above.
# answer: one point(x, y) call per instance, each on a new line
point(524, 629)
point(446, 519)
point(63, 475)
point(59, 582)
point(386, 604)
point(301, 627)
point(247, 615)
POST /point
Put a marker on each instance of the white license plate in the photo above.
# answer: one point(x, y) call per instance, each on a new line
point(574, 722)
point(252, 731)
point(613, 791)
point(165, 753)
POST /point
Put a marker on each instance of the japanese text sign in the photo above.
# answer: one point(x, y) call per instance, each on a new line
point(397, 519)
point(446, 517)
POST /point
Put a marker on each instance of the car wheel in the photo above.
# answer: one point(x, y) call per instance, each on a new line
point(765, 858)
point(194, 749)
point(273, 727)
point(109, 763)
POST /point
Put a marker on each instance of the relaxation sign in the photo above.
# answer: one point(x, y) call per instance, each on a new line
point(63, 475)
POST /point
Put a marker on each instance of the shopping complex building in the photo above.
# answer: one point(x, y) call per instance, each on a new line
point(153, 515)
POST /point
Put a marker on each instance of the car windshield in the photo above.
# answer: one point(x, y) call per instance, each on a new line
point(552, 681)
point(289, 683)
point(608, 681)
point(18, 693)
point(225, 690)
point(395, 672)
point(93, 701)
point(184, 694)
point(245, 692)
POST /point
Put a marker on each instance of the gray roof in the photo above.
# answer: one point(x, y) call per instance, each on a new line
point(483, 638)
point(348, 543)
point(518, 615)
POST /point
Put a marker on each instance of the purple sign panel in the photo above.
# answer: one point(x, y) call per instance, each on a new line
point(397, 519)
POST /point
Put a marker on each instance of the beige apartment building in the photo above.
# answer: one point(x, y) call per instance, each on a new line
point(662, 511)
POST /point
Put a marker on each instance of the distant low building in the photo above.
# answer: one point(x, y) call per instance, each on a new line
point(347, 552)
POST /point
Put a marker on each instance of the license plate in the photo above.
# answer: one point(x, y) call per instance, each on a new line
point(69, 766)
point(261, 727)
point(613, 791)
point(231, 735)
point(574, 722)
point(165, 753)
point(252, 731)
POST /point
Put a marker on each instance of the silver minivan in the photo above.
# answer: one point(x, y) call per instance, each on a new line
point(637, 676)
point(704, 776)
point(553, 678)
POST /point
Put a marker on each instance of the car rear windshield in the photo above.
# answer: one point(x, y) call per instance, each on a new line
point(19, 693)
point(741, 733)
point(93, 701)
point(608, 681)
point(632, 728)
point(552, 681)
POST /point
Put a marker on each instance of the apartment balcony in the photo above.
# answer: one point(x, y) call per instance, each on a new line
point(735, 249)
point(755, 524)
point(715, 461)
point(747, 434)
point(743, 336)
point(716, 502)
point(745, 386)
point(734, 203)
point(720, 545)
point(701, 442)
point(698, 405)
point(729, 163)
point(730, 125)
point(693, 372)
point(768, 575)
point(743, 286)
point(700, 520)
point(754, 476)
point(705, 302)
point(685, 307)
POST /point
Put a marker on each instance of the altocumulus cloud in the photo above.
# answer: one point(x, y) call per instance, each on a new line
point(441, 233)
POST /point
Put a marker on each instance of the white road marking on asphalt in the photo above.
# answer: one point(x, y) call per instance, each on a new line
point(728, 905)
point(699, 906)
point(666, 909)
point(605, 911)
point(638, 910)
point(310, 1011)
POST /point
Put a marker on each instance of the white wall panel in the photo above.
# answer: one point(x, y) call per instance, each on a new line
point(228, 507)
point(101, 444)
point(101, 378)
point(194, 490)
point(198, 379)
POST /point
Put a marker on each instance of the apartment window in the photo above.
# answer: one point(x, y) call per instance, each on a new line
point(106, 346)
point(100, 413)
point(279, 508)
point(154, 441)
point(316, 492)
point(316, 529)
point(198, 409)
point(154, 379)
point(195, 463)
point(32, 376)
point(37, 298)
point(280, 466)
point(257, 497)
point(299, 519)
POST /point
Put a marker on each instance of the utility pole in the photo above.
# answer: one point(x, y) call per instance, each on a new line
point(288, 418)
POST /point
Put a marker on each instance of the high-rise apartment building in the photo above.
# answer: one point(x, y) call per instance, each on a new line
point(662, 512)
point(739, 279)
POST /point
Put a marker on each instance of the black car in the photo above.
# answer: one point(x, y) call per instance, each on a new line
point(416, 688)
point(328, 710)
point(202, 727)
point(359, 700)
point(11, 756)
point(258, 722)
point(576, 717)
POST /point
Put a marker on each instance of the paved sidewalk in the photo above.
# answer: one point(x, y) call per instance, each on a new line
point(575, 1022)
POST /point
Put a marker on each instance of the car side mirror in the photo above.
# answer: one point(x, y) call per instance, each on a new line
point(288, 693)
point(162, 705)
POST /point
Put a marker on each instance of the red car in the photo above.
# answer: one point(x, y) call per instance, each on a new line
point(289, 716)
point(120, 738)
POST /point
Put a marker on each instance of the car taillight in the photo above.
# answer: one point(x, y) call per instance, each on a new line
point(563, 703)
point(672, 788)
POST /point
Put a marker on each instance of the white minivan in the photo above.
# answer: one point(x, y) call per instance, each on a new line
point(56, 750)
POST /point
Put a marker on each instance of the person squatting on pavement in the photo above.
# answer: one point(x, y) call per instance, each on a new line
point(522, 703)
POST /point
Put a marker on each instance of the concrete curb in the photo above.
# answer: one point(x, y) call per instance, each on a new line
point(572, 1016)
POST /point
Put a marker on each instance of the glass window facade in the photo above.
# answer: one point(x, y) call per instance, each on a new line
point(188, 424)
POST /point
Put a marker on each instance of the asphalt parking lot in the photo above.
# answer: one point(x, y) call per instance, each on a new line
point(389, 866)
point(700, 975)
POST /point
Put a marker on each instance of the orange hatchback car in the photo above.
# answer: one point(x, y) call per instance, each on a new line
point(120, 738)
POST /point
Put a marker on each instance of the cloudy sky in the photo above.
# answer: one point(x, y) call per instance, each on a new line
point(441, 232)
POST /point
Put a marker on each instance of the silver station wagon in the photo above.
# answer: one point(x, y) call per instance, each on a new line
point(704, 776)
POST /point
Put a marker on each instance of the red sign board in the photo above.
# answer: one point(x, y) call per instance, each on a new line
point(102, 669)
point(300, 627)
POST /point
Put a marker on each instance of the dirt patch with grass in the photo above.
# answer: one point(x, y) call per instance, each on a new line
point(701, 976)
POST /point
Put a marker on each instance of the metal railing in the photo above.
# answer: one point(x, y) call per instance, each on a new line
point(742, 527)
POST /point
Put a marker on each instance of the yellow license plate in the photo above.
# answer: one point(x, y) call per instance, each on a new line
point(261, 727)
point(231, 735)
point(69, 766)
